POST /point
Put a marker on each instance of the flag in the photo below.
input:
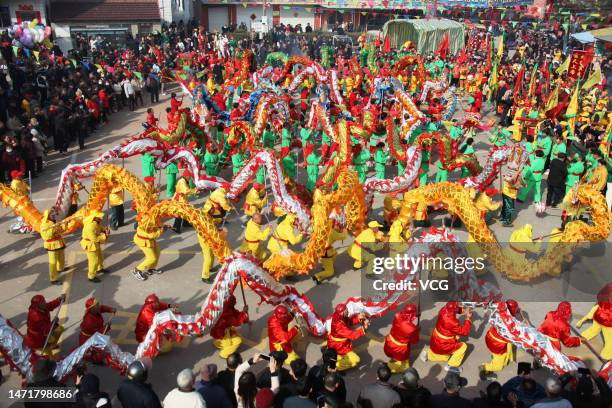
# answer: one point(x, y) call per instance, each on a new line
point(605, 141)
point(532, 81)
point(572, 111)
point(462, 57)
point(387, 44)
point(545, 73)
point(36, 54)
point(73, 61)
point(518, 85)
point(138, 75)
point(444, 46)
point(563, 67)
point(592, 80)
point(500, 50)
point(490, 51)
point(553, 100)
point(98, 66)
point(492, 81)
point(15, 50)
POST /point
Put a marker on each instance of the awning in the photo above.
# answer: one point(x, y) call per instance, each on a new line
point(604, 34)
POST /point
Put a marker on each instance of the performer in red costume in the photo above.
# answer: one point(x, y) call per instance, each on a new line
point(341, 335)
point(501, 350)
point(557, 327)
point(92, 323)
point(144, 321)
point(39, 324)
point(279, 333)
point(445, 344)
point(175, 104)
point(403, 333)
point(601, 315)
point(225, 337)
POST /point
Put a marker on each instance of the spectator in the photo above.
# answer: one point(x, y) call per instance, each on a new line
point(130, 94)
point(264, 381)
point(324, 379)
point(89, 394)
point(332, 387)
point(523, 387)
point(153, 87)
point(413, 394)
point(492, 399)
point(380, 394)
point(245, 386)
point(134, 391)
point(450, 395)
point(556, 181)
point(226, 377)
point(553, 396)
point(588, 389)
point(214, 394)
point(297, 373)
point(301, 398)
point(184, 396)
point(43, 378)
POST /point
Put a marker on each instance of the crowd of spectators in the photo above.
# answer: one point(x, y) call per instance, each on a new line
point(265, 381)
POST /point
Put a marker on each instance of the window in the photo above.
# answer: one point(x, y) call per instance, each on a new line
point(5, 17)
point(29, 15)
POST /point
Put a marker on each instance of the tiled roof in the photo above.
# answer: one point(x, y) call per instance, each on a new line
point(103, 11)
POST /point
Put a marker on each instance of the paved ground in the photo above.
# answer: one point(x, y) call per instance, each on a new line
point(24, 273)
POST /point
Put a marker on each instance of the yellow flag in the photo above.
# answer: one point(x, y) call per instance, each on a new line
point(36, 54)
point(605, 142)
point(563, 67)
point(572, 111)
point(592, 80)
point(553, 101)
point(493, 81)
point(98, 66)
point(500, 50)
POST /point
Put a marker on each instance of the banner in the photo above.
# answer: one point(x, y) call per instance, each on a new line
point(579, 63)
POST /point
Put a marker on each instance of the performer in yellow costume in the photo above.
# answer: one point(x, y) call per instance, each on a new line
point(521, 242)
point(209, 257)
point(217, 205)
point(255, 200)
point(145, 240)
point(369, 237)
point(253, 235)
point(54, 244)
point(283, 236)
point(92, 236)
point(182, 191)
point(391, 205)
point(601, 315)
point(327, 260)
point(398, 235)
point(19, 186)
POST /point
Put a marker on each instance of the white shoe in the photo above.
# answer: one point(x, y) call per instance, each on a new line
point(139, 275)
point(423, 355)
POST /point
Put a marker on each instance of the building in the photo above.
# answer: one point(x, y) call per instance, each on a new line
point(325, 14)
point(17, 11)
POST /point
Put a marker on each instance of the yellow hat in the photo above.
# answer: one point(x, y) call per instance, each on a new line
point(93, 215)
point(374, 224)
